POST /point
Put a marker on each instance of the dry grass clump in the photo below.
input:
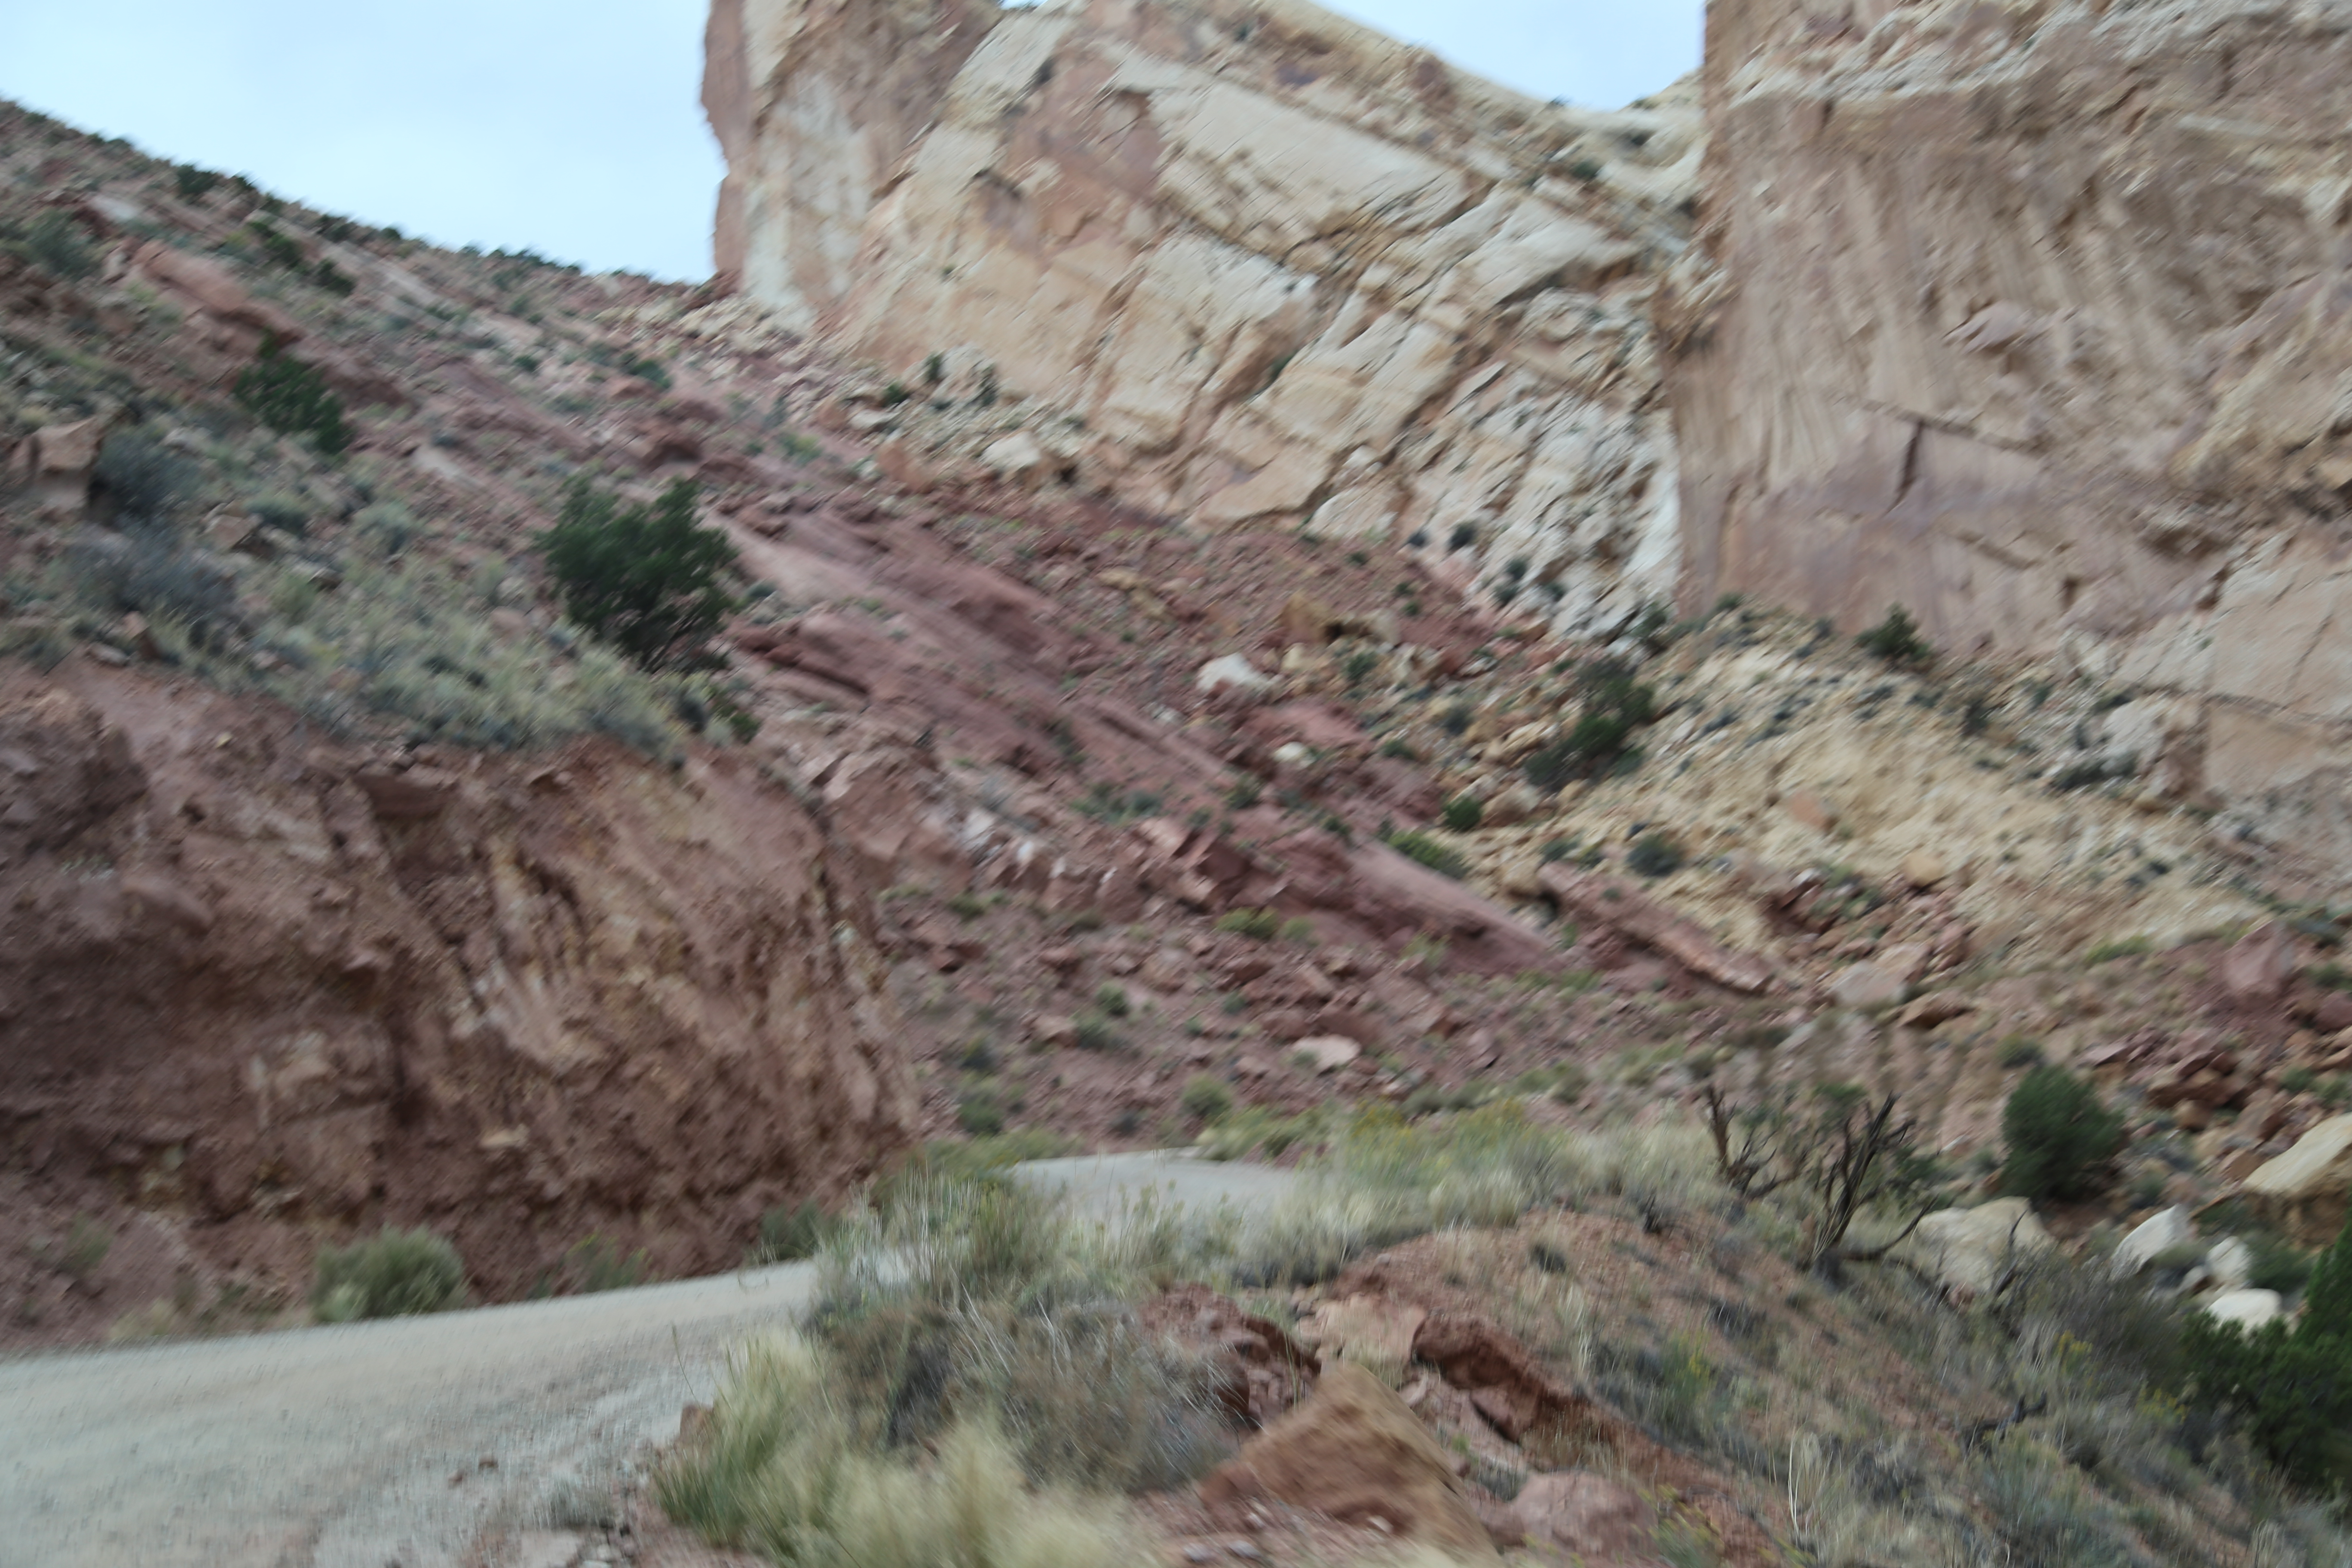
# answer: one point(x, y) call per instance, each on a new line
point(1385, 1179)
point(784, 1468)
point(962, 1297)
point(414, 644)
point(392, 1274)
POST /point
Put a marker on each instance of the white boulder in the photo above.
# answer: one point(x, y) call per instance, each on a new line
point(2250, 1309)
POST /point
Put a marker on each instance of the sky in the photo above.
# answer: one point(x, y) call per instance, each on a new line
point(574, 128)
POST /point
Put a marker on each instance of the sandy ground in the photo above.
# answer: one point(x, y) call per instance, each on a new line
point(398, 1442)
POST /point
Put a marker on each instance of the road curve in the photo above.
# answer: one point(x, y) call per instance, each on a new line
point(399, 1441)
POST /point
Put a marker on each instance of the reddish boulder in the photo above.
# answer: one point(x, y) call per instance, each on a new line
point(1506, 1383)
point(1615, 904)
point(1599, 1520)
point(1354, 1452)
point(1262, 1373)
point(2259, 965)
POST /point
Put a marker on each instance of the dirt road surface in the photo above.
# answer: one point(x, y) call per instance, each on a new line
point(399, 1441)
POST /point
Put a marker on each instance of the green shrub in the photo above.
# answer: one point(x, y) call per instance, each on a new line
point(2290, 1387)
point(2060, 1136)
point(392, 1274)
point(2127, 947)
point(2276, 1263)
point(980, 1111)
point(596, 1264)
point(151, 569)
point(646, 580)
point(1616, 705)
point(86, 1246)
point(1246, 791)
point(1096, 1033)
point(2017, 1051)
point(1654, 854)
point(1464, 813)
point(55, 242)
point(293, 399)
point(1111, 999)
point(1259, 1127)
point(1895, 639)
point(1437, 856)
point(788, 1234)
point(277, 245)
point(1262, 925)
point(143, 479)
point(193, 183)
point(387, 528)
point(1207, 1097)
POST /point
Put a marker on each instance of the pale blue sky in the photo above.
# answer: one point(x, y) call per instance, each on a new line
point(572, 127)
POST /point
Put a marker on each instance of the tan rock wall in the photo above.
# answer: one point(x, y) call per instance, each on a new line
point(1276, 268)
point(2035, 317)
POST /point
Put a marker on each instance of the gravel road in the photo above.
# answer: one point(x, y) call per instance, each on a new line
point(400, 1441)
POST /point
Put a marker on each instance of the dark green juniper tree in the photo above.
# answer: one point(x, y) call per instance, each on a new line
point(646, 579)
point(2290, 1387)
point(293, 399)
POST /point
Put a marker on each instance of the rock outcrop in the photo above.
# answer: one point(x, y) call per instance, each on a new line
point(1354, 1451)
point(1260, 264)
point(2029, 318)
point(279, 988)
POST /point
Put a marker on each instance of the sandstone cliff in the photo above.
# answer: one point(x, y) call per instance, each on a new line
point(2032, 319)
point(1265, 264)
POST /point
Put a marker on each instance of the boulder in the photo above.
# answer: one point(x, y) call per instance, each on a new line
point(2231, 1264)
point(1354, 1452)
point(2159, 1234)
point(1506, 1384)
point(1232, 672)
point(1810, 809)
point(1331, 1052)
point(1597, 1520)
point(1925, 869)
point(2250, 1309)
point(2305, 1189)
point(1866, 986)
point(1371, 1330)
point(1967, 1249)
point(1935, 1009)
point(58, 461)
point(2258, 964)
point(1015, 457)
point(1618, 905)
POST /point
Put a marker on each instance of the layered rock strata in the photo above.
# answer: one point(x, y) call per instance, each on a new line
point(1266, 265)
point(2032, 318)
point(276, 988)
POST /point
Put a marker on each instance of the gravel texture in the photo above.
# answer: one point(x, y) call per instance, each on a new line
point(399, 1441)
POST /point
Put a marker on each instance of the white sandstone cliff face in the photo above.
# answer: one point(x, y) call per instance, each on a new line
point(1272, 268)
point(2032, 317)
